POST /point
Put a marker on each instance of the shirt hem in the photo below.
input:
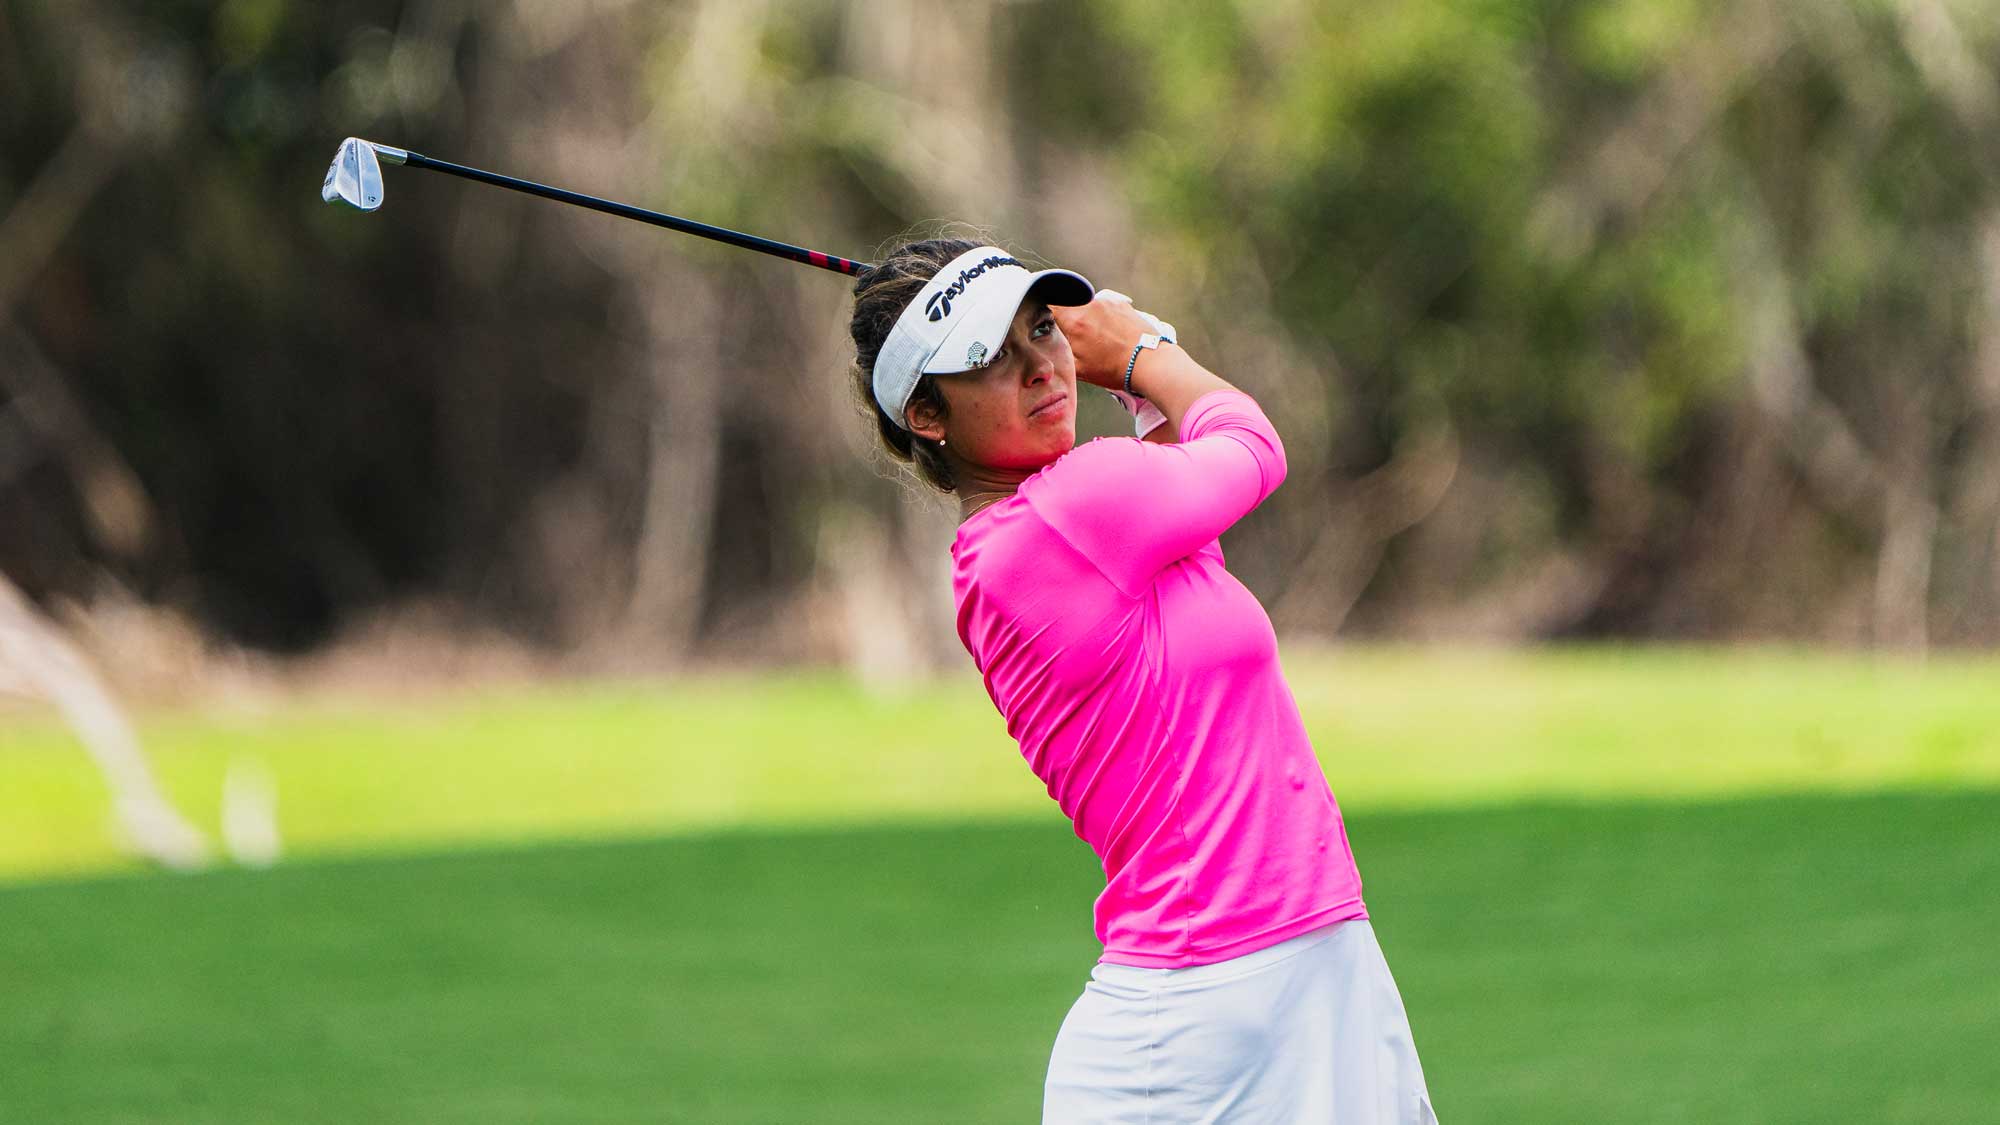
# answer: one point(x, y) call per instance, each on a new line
point(1188, 958)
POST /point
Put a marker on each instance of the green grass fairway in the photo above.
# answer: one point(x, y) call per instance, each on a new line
point(1402, 728)
point(1618, 886)
point(1740, 962)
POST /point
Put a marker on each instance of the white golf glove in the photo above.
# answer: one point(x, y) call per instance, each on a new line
point(1160, 327)
point(1145, 416)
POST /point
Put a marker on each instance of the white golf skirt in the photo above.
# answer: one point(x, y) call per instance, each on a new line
point(1309, 1030)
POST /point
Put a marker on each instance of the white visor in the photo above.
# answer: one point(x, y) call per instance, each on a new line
point(960, 319)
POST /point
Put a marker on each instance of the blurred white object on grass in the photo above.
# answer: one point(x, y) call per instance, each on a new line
point(250, 813)
point(38, 656)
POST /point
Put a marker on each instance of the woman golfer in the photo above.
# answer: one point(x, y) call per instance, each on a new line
point(1240, 980)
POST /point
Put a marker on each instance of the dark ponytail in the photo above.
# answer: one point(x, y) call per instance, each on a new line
point(880, 296)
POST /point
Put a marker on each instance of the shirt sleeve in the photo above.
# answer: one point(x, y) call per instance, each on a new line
point(1134, 508)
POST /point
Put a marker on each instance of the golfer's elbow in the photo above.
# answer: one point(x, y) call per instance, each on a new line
point(1265, 445)
point(1275, 466)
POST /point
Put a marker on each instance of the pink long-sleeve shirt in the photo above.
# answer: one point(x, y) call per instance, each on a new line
point(1141, 680)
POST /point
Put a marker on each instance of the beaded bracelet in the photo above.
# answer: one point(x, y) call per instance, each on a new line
point(1147, 341)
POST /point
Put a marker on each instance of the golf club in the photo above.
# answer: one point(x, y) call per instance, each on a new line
point(355, 179)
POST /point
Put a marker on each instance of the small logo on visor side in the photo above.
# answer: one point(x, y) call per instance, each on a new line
point(976, 354)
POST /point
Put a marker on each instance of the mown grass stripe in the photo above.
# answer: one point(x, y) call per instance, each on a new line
point(1792, 959)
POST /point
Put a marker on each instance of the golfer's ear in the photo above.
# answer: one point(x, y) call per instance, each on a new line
point(923, 420)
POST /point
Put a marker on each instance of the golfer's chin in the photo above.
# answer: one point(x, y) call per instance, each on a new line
point(1030, 445)
point(1035, 453)
point(1058, 440)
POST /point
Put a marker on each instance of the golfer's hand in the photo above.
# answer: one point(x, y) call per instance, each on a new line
point(1102, 335)
point(1146, 416)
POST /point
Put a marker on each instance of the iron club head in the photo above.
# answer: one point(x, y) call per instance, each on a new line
point(355, 177)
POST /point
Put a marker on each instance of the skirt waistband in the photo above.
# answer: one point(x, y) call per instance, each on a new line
point(1196, 976)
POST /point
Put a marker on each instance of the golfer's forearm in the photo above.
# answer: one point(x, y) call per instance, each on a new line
point(1173, 381)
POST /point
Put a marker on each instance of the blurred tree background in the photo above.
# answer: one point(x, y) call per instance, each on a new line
point(1618, 318)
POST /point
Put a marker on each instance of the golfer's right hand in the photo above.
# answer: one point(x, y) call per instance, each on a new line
point(1102, 335)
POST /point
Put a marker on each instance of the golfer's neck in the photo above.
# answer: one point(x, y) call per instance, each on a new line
point(979, 486)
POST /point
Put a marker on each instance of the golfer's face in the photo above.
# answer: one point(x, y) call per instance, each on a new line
point(1018, 411)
